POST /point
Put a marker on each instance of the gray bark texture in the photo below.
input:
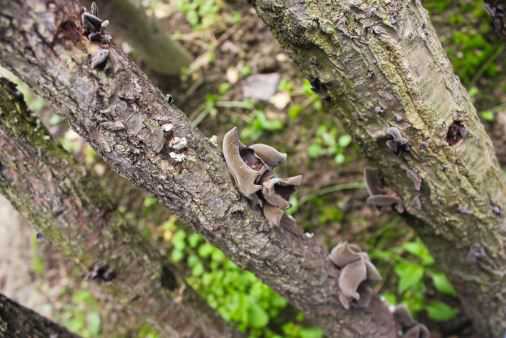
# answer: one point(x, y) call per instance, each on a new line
point(69, 208)
point(379, 64)
point(42, 43)
point(17, 321)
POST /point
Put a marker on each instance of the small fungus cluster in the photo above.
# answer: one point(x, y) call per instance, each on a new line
point(410, 328)
point(356, 274)
point(379, 196)
point(252, 169)
point(94, 29)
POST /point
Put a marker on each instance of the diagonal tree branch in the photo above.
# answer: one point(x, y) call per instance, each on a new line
point(18, 321)
point(121, 114)
point(379, 65)
point(46, 185)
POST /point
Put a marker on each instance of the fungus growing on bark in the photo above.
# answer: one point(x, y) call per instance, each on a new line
point(99, 59)
point(252, 170)
point(93, 26)
point(101, 272)
point(396, 142)
point(268, 154)
point(410, 327)
point(356, 274)
point(379, 197)
point(244, 176)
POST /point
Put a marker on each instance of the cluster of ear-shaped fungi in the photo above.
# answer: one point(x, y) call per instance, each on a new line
point(94, 29)
point(252, 169)
point(356, 274)
point(410, 328)
point(379, 196)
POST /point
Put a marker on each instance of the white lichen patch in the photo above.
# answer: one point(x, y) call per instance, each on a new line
point(178, 143)
point(177, 157)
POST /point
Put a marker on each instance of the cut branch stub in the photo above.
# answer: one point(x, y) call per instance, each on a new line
point(356, 273)
point(252, 170)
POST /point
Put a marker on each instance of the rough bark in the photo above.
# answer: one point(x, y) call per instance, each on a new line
point(46, 185)
point(380, 65)
point(17, 321)
point(150, 41)
point(42, 44)
point(498, 135)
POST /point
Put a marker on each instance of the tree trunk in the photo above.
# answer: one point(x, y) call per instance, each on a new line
point(17, 321)
point(50, 190)
point(42, 43)
point(382, 65)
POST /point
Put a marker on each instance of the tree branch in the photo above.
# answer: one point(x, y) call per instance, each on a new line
point(46, 185)
point(42, 43)
point(18, 321)
point(381, 66)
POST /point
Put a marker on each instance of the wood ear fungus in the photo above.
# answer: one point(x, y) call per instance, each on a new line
point(270, 155)
point(244, 176)
point(356, 272)
point(379, 196)
point(251, 167)
point(410, 327)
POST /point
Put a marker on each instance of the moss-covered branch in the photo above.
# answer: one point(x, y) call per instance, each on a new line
point(53, 192)
point(382, 71)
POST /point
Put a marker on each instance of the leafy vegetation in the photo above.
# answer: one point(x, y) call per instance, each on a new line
point(418, 283)
point(82, 315)
point(237, 295)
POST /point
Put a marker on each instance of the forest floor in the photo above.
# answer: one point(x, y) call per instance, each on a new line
point(242, 77)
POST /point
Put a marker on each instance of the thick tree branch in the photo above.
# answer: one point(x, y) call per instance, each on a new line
point(46, 185)
point(18, 321)
point(121, 114)
point(381, 65)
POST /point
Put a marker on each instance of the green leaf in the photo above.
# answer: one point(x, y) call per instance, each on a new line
point(440, 311)
point(339, 159)
point(205, 250)
point(410, 274)
point(314, 150)
point(488, 115)
point(442, 284)
point(344, 141)
point(257, 316)
point(294, 111)
point(194, 240)
point(94, 323)
point(311, 332)
point(390, 297)
point(419, 249)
